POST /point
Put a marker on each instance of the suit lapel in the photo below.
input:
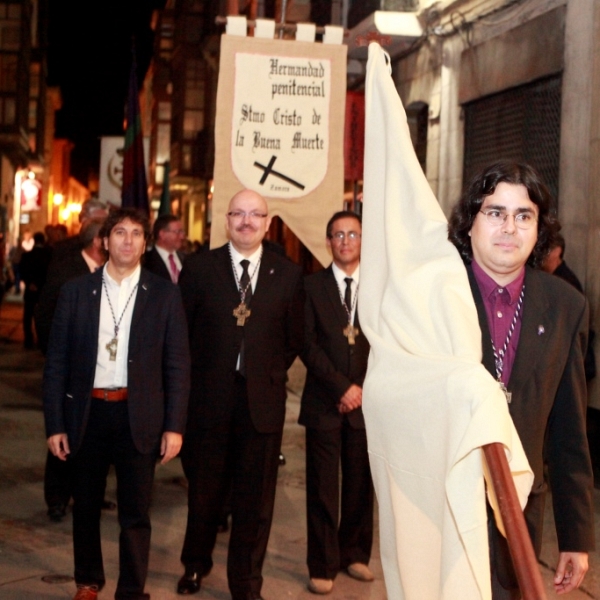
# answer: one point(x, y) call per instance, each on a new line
point(265, 275)
point(141, 297)
point(333, 294)
point(224, 269)
point(535, 329)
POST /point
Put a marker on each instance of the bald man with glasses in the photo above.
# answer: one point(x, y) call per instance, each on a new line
point(244, 307)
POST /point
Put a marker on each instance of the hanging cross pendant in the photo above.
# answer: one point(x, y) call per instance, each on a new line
point(507, 394)
point(241, 313)
point(112, 349)
point(351, 332)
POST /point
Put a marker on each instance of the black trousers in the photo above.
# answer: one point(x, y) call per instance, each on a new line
point(108, 440)
point(335, 541)
point(30, 299)
point(211, 458)
point(57, 481)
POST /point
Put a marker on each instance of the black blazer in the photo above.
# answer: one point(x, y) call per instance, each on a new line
point(273, 336)
point(157, 369)
point(155, 264)
point(332, 364)
point(548, 407)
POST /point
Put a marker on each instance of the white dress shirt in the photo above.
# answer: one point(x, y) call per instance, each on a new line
point(254, 259)
point(340, 277)
point(113, 373)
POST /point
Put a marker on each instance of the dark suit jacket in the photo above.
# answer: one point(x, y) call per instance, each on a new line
point(62, 269)
point(273, 336)
point(333, 364)
point(157, 369)
point(155, 264)
point(548, 408)
point(34, 267)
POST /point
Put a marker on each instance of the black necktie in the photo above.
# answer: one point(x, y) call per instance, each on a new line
point(245, 281)
point(348, 294)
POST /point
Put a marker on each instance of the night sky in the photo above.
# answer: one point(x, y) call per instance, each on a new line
point(89, 58)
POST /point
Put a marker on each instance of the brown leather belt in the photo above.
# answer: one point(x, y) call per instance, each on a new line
point(110, 394)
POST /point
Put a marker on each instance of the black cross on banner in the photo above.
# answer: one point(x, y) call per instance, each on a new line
point(268, 170)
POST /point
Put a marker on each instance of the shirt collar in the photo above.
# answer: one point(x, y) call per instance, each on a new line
point(488, 286)
point(129, 281)
point(236, 257)
point(164, 254)
point(340, 275)
point(90, 262)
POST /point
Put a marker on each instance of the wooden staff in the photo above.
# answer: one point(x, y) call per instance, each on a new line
point(517, 535)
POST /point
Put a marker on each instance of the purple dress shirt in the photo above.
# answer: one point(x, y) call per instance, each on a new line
point(500, 307)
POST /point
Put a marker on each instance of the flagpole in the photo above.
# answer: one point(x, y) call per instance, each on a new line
point(517, 534)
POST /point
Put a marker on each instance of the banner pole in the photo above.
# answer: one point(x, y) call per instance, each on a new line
point(517, 535)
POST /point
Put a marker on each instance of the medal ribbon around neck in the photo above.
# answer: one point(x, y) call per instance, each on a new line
point(112, 312)
point(250, 277)
point(499, 355)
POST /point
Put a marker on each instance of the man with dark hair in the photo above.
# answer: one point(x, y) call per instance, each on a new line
point(116, 386)
point(165, 258)
point(244, 307)
point(335, 354)
point(534, 334)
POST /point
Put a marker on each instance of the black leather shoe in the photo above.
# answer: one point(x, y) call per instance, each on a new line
point(57, 513)
point(108, 505)
point(189, 583)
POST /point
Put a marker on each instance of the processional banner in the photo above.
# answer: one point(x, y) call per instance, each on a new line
point(279, 131)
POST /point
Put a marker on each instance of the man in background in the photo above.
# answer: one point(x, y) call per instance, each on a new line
point(34, 268)
point(335, 355)
point(166, 259)
point(73, 264)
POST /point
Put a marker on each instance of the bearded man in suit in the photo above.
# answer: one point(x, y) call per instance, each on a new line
point(335, 355)
point(116, 386)
point(244, 306)
point(534, 334)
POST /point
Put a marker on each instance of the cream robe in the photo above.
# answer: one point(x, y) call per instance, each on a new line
point(429, 403)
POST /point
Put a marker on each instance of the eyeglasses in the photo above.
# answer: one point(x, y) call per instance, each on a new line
point(240, 214)
point(523, 220)
point(340, 235)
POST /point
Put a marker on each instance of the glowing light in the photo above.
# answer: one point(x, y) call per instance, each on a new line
point(57, 199)
point(65, 213)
